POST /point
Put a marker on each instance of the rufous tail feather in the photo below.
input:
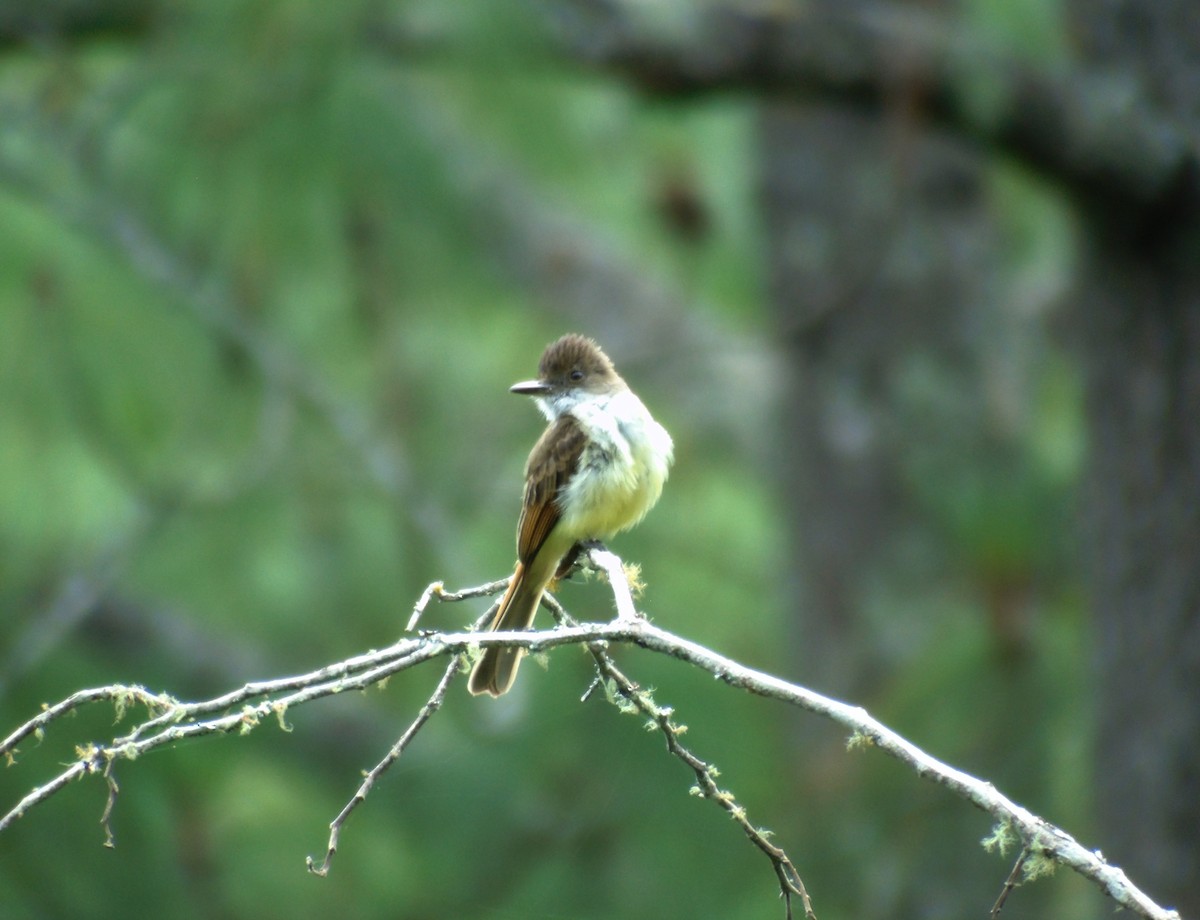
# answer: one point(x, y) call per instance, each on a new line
point(496, 668)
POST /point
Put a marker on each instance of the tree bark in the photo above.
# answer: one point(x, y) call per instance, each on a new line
point(1141, 328)
point(1116, 130)
point(878, 256)
point(1139, 324)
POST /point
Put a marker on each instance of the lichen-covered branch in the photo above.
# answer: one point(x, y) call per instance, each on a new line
point(242, 710)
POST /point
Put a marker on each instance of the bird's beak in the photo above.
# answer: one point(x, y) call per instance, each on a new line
point(530, 388)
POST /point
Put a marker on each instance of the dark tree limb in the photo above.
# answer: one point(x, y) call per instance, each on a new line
point(1081, 127)
point(42, 22)
point(1089, 129)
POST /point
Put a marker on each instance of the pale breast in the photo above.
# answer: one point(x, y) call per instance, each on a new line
point(621, 472)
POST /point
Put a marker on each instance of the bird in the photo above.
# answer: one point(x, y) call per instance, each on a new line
point(598, 468)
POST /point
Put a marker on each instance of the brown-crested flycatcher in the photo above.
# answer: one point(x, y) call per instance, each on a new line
point(597, 469)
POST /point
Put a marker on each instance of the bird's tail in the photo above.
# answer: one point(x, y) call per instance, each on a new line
point(496, 669)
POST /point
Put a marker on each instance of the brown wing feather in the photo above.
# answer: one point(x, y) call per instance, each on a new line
point(552, 462)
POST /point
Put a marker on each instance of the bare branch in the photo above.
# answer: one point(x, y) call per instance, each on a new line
point(242, 710)
point(627, 695)
point(432, 705)
point(118, 694)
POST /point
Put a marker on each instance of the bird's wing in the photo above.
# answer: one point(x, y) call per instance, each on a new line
point(552, 462)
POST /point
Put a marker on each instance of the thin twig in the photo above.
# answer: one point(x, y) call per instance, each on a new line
point(438, 590)
point(244, 709)
point(435, 589)
point(113, 791)
point(1010, 883)
point(790, 882)
point(43, 792)
point(432, 705)
point(119, 694)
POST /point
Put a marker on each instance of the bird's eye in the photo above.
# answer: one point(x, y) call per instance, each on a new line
point(577, 375)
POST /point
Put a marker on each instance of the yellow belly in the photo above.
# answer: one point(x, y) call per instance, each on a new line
point(616, 485)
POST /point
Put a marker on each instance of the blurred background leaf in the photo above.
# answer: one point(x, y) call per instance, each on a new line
point(266, 272)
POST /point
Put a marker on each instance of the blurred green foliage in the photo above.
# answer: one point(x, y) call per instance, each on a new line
point(260, 305)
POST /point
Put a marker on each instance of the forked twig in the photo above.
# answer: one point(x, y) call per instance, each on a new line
point(242, 710)
point(617, 684)
point(432, 705)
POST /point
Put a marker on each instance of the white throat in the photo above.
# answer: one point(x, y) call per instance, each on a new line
point(567, 401)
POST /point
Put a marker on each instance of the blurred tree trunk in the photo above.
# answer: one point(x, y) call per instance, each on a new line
point(1115, 129)
point(1141, 323)
point(881, 258)
point(851, 325)
point(1140, 329)
point(878, 256)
